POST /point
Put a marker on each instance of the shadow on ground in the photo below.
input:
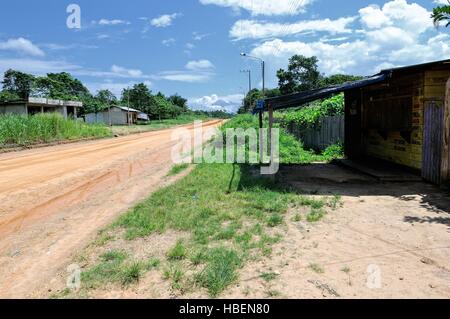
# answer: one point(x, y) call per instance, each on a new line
point(332, 179)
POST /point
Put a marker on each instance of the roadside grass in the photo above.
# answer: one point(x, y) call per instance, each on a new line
point(291, 149)
point(177, 169)
point(233, 218)
point(269, 276)
point(116, 267)
point(45, 128)
point(230, 214)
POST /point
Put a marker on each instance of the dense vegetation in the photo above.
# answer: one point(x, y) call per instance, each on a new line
point(44, 128)
point(291, 150)
point(18, 85)
point(309, 116)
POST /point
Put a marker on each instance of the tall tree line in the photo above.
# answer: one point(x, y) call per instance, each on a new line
point(63, 86)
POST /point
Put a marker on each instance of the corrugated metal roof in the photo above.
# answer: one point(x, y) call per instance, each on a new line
point(299, 99)
point(128, 109)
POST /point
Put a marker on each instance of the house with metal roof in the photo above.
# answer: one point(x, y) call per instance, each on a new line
point(117, 115)
point(400, 115)
point(34, 105)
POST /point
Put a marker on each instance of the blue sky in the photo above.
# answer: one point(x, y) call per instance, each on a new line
point(192, 47)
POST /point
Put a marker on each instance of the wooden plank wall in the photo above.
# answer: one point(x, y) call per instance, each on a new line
point(331, 130)
point(393, 146)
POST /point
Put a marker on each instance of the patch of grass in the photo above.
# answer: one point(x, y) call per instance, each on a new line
point(315, 215)
point(178, 252)
point(316, 268)
point(269, 276)
point(297, 218)
point(335, 202)
point(177, 169)
point(220, 271)
point(45, 128)
point(176, 274)
point(113, 268)
point(131, 274)
point(103, 239)
point(274, 220)
point(346, 270)
point(114, 255)
point(153, 263)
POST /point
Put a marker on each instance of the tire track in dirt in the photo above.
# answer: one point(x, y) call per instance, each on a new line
point(54, 200)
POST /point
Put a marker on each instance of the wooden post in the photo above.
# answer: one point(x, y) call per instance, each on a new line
point(270, 132)
point(445, 163)
point(261, 148)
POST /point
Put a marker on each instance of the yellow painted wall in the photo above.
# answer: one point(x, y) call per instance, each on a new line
point(395, 148)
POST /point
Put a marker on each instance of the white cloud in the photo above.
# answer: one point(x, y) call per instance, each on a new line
point(113, 22)
point(61, 47)
point(397, 34)
point(168, 42)
point(214, 102)
point(263, 7)
point(398, 13)
point(251, 29)
point(199, 65)
point(444, 2)
point(200, 36)
point(184, 76)
point(195, 72)
point(38, 67)
point(132, 73)
point(23, 46)
point(164, 21)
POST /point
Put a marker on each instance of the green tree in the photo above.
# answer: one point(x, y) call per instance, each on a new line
point(140, 98)
point(441, 14)
point(302, 75)
point(18, 83)
point(6, 96)
point(106, 97)
point(179, 101)
point(337, 79)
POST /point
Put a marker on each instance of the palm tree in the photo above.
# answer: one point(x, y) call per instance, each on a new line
point(441, 13)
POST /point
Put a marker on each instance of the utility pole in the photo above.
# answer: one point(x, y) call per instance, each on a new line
point(249, 81)
point(129, 124)
point(263, 66)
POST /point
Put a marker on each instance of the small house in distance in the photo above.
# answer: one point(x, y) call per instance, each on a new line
point(401, 116)
point(117, 115)
point(41, 105)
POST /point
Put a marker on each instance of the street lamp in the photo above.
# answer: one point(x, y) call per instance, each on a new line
point(263, 65)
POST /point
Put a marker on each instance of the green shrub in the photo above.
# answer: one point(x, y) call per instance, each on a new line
point(310, 115)
point(44, 128)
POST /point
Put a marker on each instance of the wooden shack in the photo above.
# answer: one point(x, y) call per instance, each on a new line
point(400, 115)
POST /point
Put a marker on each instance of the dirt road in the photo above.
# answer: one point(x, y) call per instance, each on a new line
point(54, 200)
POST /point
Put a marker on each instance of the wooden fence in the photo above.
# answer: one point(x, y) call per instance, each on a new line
point(330, 130)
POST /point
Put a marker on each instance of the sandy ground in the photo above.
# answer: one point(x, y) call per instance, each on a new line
point(54, 200)
point(387, 240)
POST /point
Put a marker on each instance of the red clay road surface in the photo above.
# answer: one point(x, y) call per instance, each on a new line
point(54, 200)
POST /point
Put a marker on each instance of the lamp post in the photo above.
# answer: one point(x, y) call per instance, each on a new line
point(263, 67)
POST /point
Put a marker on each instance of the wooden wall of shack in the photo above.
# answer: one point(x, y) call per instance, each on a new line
point(386, 121)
